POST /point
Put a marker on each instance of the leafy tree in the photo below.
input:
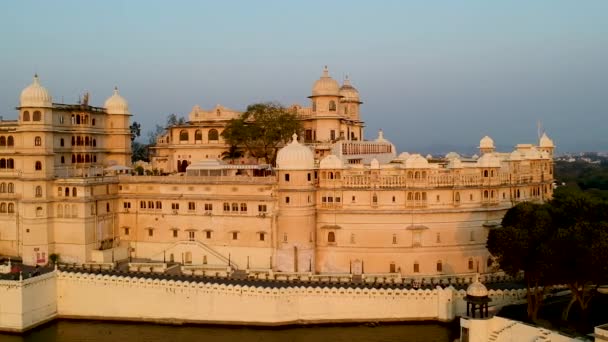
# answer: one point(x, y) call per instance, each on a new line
point(135, 130)
point(234, 152)
point(139, 151)
point(524, 243)
point(262, 129)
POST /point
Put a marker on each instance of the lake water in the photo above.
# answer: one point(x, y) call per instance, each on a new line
point(94, 331)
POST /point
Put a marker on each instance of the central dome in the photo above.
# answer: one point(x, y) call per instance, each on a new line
point(35, 95)
point(295, 156)
point(326, 86)
point(116, 104)
point(348, 92)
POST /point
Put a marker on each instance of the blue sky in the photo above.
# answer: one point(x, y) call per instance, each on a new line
point(434, 75)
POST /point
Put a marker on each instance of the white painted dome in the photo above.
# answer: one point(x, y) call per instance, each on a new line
point(488, 160)
point(295, 156)
point(35, 95)
point(452, 155)
point(348, 92)
point(455, 163)
point(116, 104)
point(429, 156)
point(380, 137)
point(486, 142)
point(475, 157)
point(331, 162)
point(477, 289)
point(326, 86)
point(403, 156)
point(374, 164)
point(545, 141)
point(416, 161)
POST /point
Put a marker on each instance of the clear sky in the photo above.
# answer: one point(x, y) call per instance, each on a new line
point(434, 75)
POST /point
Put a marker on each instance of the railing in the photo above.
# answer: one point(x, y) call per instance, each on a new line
point(197, 179)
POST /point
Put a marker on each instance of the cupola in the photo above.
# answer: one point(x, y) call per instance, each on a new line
point(116, 104)
point(35, 95)
point(295, 156)
point(326, 86)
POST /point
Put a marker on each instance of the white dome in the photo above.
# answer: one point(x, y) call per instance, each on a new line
point(486, 142)
point(326, 86)
point(403, 156)
point(455, 163)
point(35, 95)
point(452, 155)
point(295, 156)
point(331, 162)
point(488, 160)
point(374, 164)
point(348, 92)
point(380, 137)
point(477, 289)
point(429, 156)
point(475, 156)
point(515, 156)
point(545, 141)
point(416, 161)
point(116, 104)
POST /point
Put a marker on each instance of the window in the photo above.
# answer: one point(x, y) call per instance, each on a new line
point(2, 141)
point(126, 205)
point(262, 236)
point(150, 232)
point(175, 206)
point(393, 199)
point(331, 237)
point(284, 237)
point(394, 239)
point(314, 106)
point(183, 135)
point(472, 236)
point(74, 192)
point(287, 199)
point(3, 188)
point(126, 231)
point(11, 187)
point(26, 116)
point(10, 162)
point(191, 206)
point(213, 135)
point(208, 207)
point(235, 207)
point(470, 264)
point(262, 208)
point(332, 134)
point(308, 176)
point(332, 106)
point(457, 197)
point(438, 238)
point(416, 267)
point(107, 207)
point(416, 239)
point(38, 165)
point(374, 199)
point(159, 205)
point(60, 210)
point(3, 208)
point(226, 206)
point(191, 235)
point(11, 208)
point(62, 160)
point(208, 234)
point(235, 235)
point(37, 141)
point(38, 191)
point(39, 212)
point(287, 177)
point(243, 207)
point(37, 116)
point(142, 204)
point(439, 266)
point(392, 268)
point(198, 135)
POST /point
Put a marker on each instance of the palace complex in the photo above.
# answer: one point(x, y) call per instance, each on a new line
point(333, 203)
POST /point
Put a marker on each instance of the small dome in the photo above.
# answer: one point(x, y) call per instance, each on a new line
point(515, 156)
point(545, 141)
point(416, 161)
point(374, 164)
point(455, 163)
point(452, 155)
point(295, 156)
point(486, 142)
point(477, 289)
point(348, 92)
point(488, 160)
point(429, 156)
point(326, 86)
point(403, 156)
point(331, 162)
point(35, 95)
point(475, 157)
point(380, 137)
point(116, 104)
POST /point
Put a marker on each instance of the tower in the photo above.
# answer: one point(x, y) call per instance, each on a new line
point(118, 142)
point(295, 249)
point(349, 109)
point(325, 100)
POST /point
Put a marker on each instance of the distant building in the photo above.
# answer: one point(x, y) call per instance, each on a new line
point(334, 203)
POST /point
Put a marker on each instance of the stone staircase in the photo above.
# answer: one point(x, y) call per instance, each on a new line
point(496, 334)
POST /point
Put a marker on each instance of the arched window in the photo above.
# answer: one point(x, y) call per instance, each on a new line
point(78, 119)
point(74, 192)
point(417, 175)
point(86, 119)
point(218, 112)
point(150, 204)
point(314, 106)
point(417, 196)
point(67, 192)
point(410, 174)
point(73, 141)
point(10, 163)
point(11, 188)
point(2, 163)
point(331, 237)
point(457, 197)
point(26, 116)
point(38, 165)
point(94, 159)
point(485, 173)
point(198, 135)
point(485, 194)
point(62, 160)
point(11, 141)
point(470, 264)
point(94, 142)
point(183, 135)
point(59, 191)
point(38, 191)
point(61, 142)
point(73, 159)
point(3, 207)
point(2, 141)
point(439, 266)
point(37, 116)
point(3, 188)
point(93, 122)
point(213, 135)
point(332, 106)
point(409, 196)
point(86, 141)
point(87, 158)
point(11, 208)
point(37, 141)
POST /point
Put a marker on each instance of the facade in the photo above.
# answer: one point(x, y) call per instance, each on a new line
point(334, 203)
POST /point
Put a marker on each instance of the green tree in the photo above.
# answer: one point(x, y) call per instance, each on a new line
point(139, 151)
point(524, 243)
point(135, 130)
point(234, 152)
point(262, 129)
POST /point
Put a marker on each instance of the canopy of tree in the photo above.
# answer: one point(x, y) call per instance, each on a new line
point(262, 129)
point(591, 178)
point(564, 241)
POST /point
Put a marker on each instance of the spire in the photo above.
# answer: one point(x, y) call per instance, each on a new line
point(325, 71)
point(346, 80)
point(36, 81)
point(115, 90)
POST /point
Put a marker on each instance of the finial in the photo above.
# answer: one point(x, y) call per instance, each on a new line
point(115, 90)
point(36, 81)
point(325, 71)
point(380, 134)
point(477, 277)
point(295, 138)
point(346, 80)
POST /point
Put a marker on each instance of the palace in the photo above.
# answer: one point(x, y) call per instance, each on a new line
point(333, 203)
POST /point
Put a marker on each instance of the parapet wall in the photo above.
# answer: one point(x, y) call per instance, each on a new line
point(94, 296)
